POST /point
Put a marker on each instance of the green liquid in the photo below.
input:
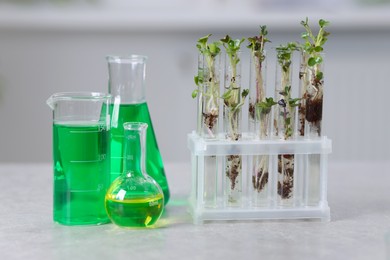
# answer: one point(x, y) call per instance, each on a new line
point(154, 164)
point(81, 173)
point(142, 212)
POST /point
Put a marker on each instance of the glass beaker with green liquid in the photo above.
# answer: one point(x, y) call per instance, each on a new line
point(127, 87)
point(81, 157)
point(134, 199)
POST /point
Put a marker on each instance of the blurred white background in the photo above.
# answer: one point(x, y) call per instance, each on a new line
point(49, 46)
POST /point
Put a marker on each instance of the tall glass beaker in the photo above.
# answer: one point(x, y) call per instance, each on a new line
point(81, 157)
point(127, 87)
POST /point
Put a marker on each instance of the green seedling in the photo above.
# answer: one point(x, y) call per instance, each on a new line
point(287, 112)
point(208, 84)
point(233, 100)
point(312, 76)
point(256, 46)
point(232, 97)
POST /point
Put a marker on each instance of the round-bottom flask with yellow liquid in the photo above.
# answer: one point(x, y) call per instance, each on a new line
point(134, 199)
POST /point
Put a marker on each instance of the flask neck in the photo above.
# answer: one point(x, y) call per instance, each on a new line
point(134, 148)
point(126, 81)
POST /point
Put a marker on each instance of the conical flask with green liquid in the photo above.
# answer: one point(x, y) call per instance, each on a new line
point(126, 85)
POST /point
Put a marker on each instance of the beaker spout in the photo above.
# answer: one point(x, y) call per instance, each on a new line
point(51, 102)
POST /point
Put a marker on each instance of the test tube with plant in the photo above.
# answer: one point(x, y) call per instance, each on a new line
point(312, 79)
point(233, 100)
point(259, 113)
point(303, 85)
point(208, 82)
point(208, 93)
point(285, 120)
point(257, 125)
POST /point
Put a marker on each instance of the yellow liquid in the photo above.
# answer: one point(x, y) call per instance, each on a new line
point(141, 212)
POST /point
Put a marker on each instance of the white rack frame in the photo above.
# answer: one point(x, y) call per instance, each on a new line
point(200, 148)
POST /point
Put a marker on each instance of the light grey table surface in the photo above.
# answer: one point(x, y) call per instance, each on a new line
point(358, 195)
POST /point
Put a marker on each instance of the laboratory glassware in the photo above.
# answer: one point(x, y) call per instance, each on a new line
point(81, 157)
point(134, 199)
point(127, 88)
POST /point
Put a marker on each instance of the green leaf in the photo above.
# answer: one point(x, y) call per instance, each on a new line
point(204, 39)
point(196, 79)
point(265, 106)
point(287, 90)
point(231, 46)
point(323, 23)
point(292, 46)
point(228, 94)
point(323, 41)
point(311, 62)
point(304, 23)
point(237, 43)
point(318, 49)
point(195, 93)
point(252, 40)
point(264, 111)
point(284, 54)
point(314, 60)
point(245, 93)
point(287, 120)
point(318, 59)
point(314, 43)
point(304, 35)
point(263, 30)
point(270, 101)
point(214, 48)
point(293, 102)
point(320, 75)
point(226, 39)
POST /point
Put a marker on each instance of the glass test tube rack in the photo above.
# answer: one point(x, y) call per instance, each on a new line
point(210, 201)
